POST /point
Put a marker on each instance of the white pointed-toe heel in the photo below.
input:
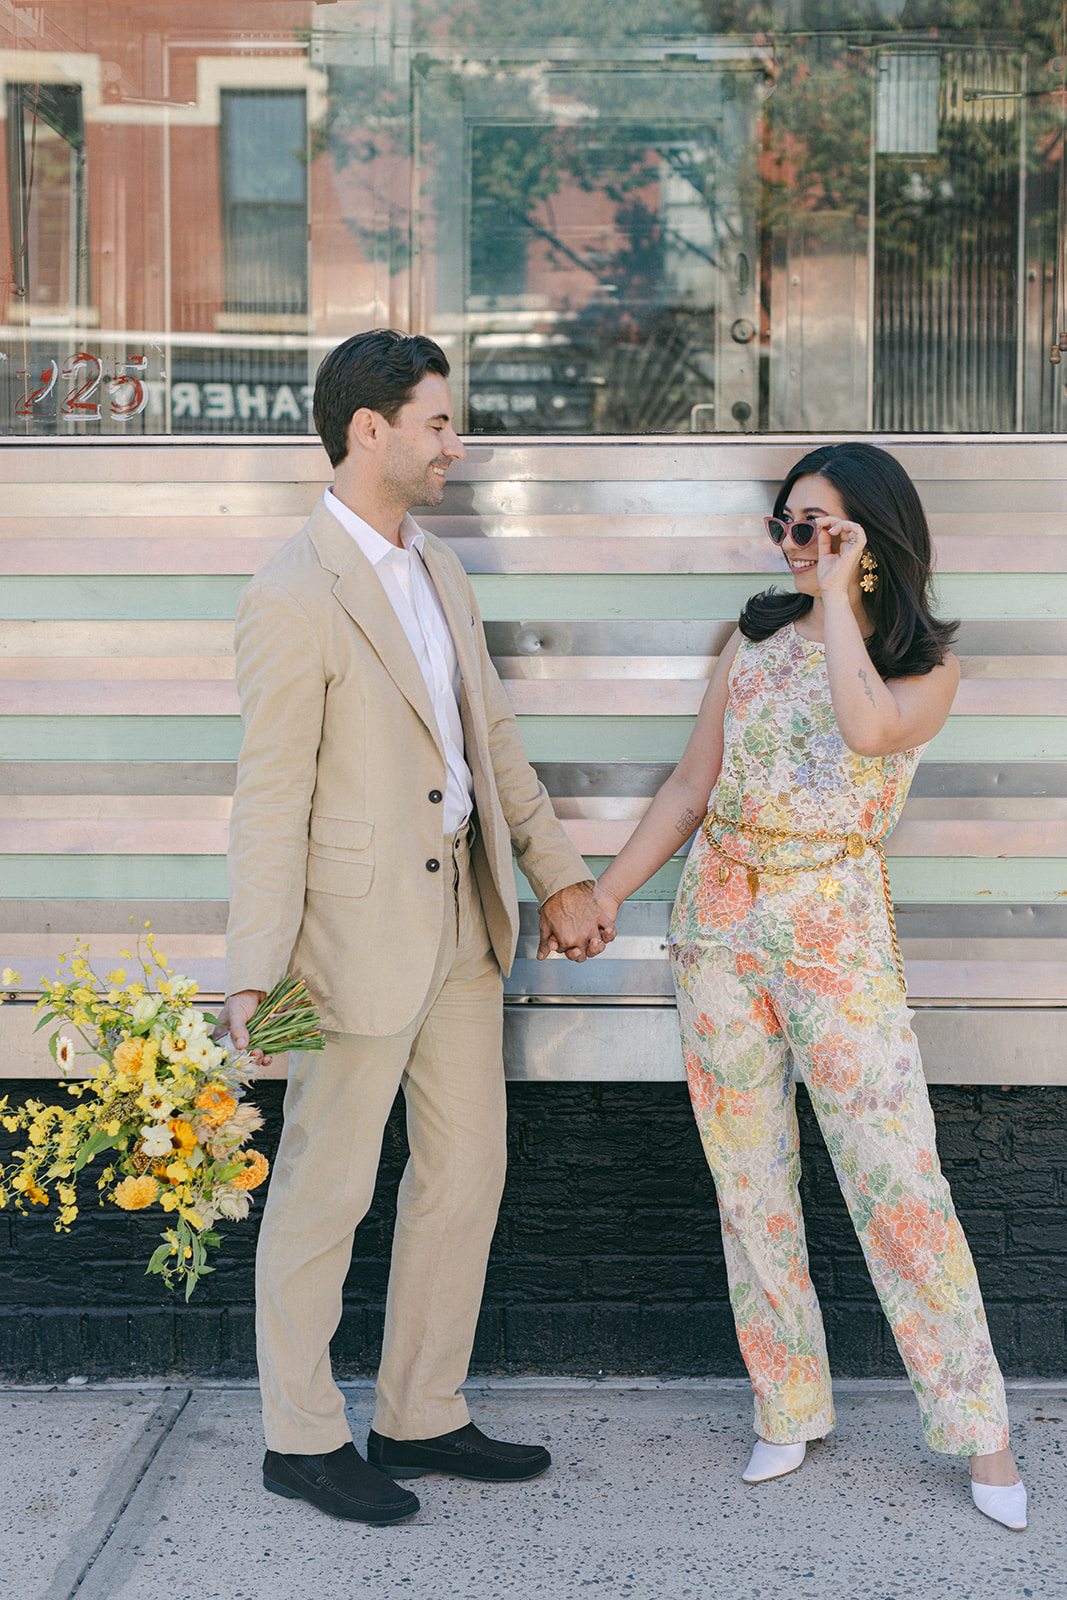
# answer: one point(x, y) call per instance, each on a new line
point(773, 1461)
point(1004, 1503)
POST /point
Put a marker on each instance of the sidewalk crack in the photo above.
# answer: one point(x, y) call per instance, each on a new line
point(125, 1482)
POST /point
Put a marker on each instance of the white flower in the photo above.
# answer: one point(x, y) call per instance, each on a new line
point(233, 1203)
point(156, 1104)
point(64, 1053)
point(156, 1139)
point(192, 1022)
point(145, 1009)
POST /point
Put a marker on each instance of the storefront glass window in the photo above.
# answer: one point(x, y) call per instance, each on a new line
point(618, 216)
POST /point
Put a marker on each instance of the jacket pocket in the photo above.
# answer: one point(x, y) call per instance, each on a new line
point(338, 875)
point(345, 833)
point(334, 850)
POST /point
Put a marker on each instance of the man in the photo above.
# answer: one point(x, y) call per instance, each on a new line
point(382, 788)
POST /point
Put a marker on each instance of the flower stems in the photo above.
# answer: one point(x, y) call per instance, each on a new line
point(285, 1020)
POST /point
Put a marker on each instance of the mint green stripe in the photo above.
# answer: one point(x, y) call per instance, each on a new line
point(517, 596)
point(120, 738)
point(114, 877)
point(1000, 739)
point(195, 599)
point(964, 739)
point(916, 880)
point(663, 738)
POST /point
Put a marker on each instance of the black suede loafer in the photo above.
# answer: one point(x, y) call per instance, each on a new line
point(465, 1453)
point(340, 1483)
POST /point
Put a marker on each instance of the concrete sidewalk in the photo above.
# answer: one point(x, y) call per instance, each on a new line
point(152, 1492)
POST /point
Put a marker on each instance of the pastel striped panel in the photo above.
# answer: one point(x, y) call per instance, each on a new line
point(609, 574)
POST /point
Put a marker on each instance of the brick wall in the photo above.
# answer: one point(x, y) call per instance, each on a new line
point(607, 1257)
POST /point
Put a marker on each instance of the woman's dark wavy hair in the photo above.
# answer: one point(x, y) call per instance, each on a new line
point(908, 640)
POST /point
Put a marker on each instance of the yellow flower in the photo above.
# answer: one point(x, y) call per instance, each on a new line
point(193, 1218)
point(133, 1194)
point(10, 979)
point(128, 1056)
point(253, 1175)
point(168, 1200)
point(177, 1171)
point(184, 1137)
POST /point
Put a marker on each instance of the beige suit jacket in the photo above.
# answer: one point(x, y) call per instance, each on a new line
point(333, 823)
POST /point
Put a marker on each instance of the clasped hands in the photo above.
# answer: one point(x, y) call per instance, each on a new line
point(576, 921)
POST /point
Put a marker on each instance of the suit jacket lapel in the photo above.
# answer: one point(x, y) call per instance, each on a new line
point(359, 590)
point(457, 612)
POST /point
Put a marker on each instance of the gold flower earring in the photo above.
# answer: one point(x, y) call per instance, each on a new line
point(869, 581)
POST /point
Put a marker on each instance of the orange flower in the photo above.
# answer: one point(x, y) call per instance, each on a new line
point(816, 928)
point(254, 1173)
point(217, 1104)
point(128, 1054)
point(919, 1344)
point(133, 1194)
point(766, 1358)
point(833, 1063)
point(908, 1237)
point(762, 1015)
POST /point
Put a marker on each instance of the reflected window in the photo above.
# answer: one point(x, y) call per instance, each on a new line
point(47, 200)
point(264, 197)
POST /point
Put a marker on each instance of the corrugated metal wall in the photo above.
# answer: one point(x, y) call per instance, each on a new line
point(609, 574)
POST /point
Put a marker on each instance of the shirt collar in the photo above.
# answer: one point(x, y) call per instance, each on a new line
point(370, 541)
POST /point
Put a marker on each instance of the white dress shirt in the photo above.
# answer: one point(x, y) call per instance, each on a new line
point(410, 591)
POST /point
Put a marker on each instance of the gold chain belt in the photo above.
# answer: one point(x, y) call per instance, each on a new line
point(853, 845)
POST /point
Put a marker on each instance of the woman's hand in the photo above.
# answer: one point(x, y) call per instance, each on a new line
point(607, 905)
point(841, 546)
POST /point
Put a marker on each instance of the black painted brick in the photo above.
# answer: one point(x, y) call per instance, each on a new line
point(607, 1257)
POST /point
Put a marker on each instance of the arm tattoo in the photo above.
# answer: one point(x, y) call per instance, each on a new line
point(866, 686)
point(686, 823)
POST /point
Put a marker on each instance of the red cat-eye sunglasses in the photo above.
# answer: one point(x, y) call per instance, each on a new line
point(801, 533)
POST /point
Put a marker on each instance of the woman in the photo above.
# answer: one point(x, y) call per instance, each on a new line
point(783, 944)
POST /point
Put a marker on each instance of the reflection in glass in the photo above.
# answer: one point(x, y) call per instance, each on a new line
point(669, 216)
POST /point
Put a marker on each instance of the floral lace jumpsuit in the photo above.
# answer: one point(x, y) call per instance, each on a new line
point(783, 951)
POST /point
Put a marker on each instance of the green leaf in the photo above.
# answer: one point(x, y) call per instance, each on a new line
point(100, 1140)
point(49, 1016)
point(158, 1258)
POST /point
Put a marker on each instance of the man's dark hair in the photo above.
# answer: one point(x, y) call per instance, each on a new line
point(380, 370)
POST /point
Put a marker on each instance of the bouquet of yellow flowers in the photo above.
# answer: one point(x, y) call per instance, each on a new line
point(165, 1104)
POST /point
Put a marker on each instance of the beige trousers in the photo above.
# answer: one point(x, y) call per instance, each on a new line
point(450, 1066)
